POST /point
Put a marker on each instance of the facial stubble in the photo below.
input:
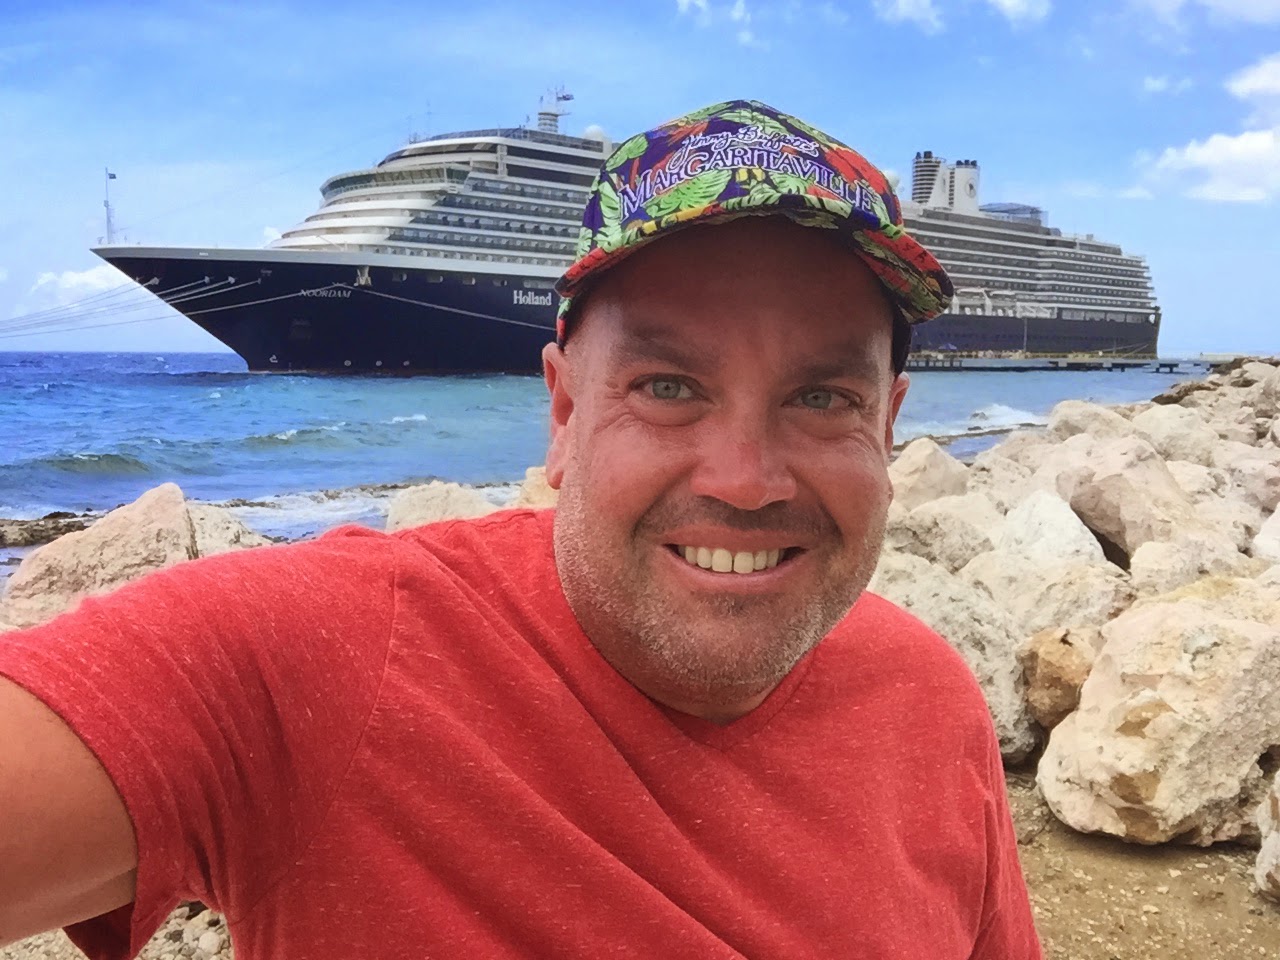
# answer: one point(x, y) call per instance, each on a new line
point(734, 646)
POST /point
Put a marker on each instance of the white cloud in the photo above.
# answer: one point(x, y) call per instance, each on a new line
point(736, 13)
point(1244, 168)
point(4, 274)
point(269, 234)
point(923, 13)
point(1258, 81)
point(1243, 11)
point(1163, 84)
point(1135, 193)
point(1022, 10)
point(79, 283)
point(833, 15)
point(53, 289)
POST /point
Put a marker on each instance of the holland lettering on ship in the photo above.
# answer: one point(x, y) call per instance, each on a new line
point(527, 299)
point(325, 292)
point(772, 152)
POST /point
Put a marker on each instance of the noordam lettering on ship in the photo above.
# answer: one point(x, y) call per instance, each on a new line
point(325, 292)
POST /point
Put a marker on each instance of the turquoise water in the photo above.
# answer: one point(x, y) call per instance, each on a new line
point(88, 431)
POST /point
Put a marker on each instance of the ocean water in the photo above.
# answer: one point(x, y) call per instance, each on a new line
point(299, 453)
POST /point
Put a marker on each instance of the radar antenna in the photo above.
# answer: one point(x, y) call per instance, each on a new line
point(550, 111)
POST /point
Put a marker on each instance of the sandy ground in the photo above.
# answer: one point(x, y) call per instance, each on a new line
point(1097, 898)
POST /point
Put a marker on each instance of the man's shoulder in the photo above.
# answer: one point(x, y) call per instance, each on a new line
point(884, 642)
point(517, 536)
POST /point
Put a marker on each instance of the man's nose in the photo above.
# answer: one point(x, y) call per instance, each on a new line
point(742, 461)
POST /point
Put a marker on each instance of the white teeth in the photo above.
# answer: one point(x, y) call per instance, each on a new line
point(721, 560)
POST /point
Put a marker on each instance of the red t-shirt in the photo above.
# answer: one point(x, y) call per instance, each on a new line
point(376, 746)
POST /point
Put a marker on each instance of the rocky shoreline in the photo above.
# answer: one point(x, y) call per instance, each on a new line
point(1113, 580)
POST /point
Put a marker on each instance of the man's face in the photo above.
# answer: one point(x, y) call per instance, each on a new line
point(727, 398)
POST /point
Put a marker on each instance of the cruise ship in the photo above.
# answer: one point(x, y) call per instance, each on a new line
point(1024, 288)
point(442, 259)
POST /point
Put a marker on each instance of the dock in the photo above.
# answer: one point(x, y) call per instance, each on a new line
point(960, 363)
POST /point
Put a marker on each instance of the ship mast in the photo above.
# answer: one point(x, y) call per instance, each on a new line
point(108, 176)
point(550, 111)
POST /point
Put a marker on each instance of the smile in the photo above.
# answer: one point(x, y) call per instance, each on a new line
point(721, 560)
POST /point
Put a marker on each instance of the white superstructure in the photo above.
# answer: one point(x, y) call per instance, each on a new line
point(1005, 261)
point(510, 195)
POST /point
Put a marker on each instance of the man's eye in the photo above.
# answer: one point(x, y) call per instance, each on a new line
point(669, 389)
point(819, 399)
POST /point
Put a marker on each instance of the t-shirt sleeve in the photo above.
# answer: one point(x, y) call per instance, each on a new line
point(1008, 929)
point(225, 698)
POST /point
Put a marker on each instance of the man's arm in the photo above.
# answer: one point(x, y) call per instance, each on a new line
point(67, 850)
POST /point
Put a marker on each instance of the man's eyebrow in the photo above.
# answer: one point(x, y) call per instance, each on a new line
point(651, 346)
point(848, 363)
point(845, 361)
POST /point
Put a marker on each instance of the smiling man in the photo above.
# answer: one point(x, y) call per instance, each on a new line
point(664, 720)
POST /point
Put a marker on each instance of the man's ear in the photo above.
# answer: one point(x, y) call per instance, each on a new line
point(897, 393)
point(555, 370)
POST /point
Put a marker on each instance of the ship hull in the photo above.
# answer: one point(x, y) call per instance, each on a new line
point(284, 311)
point(1045, 336)
point(302, 313)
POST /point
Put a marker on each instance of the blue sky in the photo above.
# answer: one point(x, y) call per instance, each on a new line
point(1151, 123)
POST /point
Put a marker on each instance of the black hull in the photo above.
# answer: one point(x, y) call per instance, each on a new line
point(1054, 337)
point(302, 312)
point(320, 316)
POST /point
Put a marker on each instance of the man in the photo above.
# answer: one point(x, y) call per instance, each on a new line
point(648, 724)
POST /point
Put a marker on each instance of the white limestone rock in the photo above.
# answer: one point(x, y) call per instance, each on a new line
point(1131, 410)
point(216, 530)
point(1266, 871)
point(950, 531)
point(1253, 473)
point(1072, 417)
point(1044, 528)
point(978, 629)
point(1041, 595)
point(1003, 481)
point(1251, 373)
point(1177, 711)
point(1199, 483)
point(154, 531)
point(1125, 493)
point(1266, 545)
point(535, 493)
point(1157, 568)
point(924, 472)
point(433, 502)
point(1023, 447)
point(1177, 433)
point(1236, 520)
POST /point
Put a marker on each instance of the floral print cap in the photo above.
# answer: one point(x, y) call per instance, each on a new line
point(743, 158)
